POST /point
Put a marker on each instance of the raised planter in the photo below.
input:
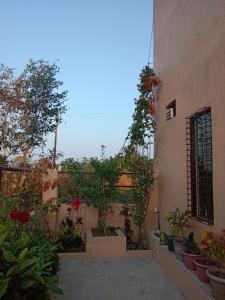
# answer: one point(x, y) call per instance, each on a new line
point(105, 246)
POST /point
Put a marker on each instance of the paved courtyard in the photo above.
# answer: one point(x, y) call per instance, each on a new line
point(131, 278)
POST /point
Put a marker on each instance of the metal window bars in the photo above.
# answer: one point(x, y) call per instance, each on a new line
point(199, 165)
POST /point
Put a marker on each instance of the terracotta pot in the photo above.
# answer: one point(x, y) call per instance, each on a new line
point(217, 281)
point(178, 249)
point(189, 260)
point(201, 267)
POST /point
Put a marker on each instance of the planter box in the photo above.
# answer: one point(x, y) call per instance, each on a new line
point(105, 246)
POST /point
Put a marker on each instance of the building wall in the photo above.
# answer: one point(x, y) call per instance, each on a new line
point(189, 55)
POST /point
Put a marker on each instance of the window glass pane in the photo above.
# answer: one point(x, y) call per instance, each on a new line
point(203, 142)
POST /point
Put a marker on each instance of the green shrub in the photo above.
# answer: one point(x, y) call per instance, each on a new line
point(28, 258)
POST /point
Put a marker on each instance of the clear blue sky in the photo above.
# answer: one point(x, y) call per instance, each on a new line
point(101, 46)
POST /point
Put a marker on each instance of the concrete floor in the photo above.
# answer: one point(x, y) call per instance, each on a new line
point(131, 278)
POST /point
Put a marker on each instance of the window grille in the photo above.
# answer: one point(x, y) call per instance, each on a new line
point(200, 165)
point(171, 110)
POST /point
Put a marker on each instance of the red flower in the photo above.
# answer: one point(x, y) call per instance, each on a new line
point(24, 216)
point(75, 203)
point(14, 214)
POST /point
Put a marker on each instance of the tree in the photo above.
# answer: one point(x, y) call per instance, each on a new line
point(31, 106)
point(96, 181)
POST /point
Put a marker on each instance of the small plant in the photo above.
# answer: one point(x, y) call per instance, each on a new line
point(190, 245)
point(67, 235)
point(209, 243)
point(177, 221)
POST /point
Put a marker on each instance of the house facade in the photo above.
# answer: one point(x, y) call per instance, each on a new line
point(189, 56)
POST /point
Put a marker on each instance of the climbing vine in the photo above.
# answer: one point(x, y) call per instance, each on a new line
point(140, 166)
point(144, 124)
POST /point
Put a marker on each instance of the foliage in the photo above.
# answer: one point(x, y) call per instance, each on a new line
point(209, 243)
point(143, 125)
point(28, 258)
point(67, 235)
point(141, 171)
point(178, 220)
point(26, 186)
point(95, 180)
point(143, 178)
point(220, 253)
point(31, 106)
point(127, 224)
point(134, 159)
point(190, 245)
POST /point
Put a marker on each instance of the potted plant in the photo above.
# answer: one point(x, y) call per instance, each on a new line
point(177, 220)
point(208, 244)
point(217, 275)
point(190, 252)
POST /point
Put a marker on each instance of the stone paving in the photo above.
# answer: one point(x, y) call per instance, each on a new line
point(130, 278)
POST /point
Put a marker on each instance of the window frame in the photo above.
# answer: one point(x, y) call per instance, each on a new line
point(194, 181)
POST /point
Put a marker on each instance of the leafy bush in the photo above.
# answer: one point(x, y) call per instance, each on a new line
point(28, 258)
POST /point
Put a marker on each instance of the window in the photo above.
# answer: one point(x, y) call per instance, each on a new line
point(171, 110)
point(200, 165)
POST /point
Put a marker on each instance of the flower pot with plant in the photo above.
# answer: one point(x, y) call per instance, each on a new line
point(208, 245)
point(177, 221)
point(217, 275)
point(190, 252)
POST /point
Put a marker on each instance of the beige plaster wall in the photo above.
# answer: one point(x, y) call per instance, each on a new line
point(90, 216)
point(189, 55)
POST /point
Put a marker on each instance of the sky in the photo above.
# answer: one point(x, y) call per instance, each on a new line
point(100, 46)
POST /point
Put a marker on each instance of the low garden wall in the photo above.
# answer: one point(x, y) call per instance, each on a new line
point(90, 215)
point(185, 279)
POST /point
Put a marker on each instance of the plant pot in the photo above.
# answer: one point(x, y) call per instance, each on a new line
point(201, 267)
point(170, 242)
point(189, 260)
point(217, 281)
point(178, 249)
